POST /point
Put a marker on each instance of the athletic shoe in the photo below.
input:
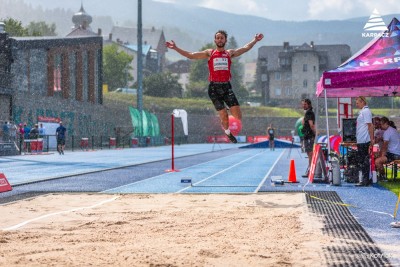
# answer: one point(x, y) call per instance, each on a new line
point(395, 224)
point(306, 174)
point(232, 138)
point(62, 152)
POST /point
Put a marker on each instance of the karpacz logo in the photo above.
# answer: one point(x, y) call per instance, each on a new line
point(375, 26)
point(375, 34)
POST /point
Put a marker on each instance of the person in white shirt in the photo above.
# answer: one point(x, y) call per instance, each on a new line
point(378, 132)
point(365, 139)
point(390, 148)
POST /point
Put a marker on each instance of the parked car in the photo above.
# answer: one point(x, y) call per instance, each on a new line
point(131, 91)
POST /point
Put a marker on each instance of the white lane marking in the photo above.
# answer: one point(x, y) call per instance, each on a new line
point(154, 177)
point(57, 213)
point(269, 172)
point(224, 170)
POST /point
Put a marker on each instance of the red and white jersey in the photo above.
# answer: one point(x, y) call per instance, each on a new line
point(219, 66)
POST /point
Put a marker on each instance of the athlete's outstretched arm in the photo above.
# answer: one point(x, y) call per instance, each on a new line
point(191, 55)
point(237, 52)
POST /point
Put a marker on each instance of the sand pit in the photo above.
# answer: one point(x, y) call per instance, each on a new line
point(161, 230)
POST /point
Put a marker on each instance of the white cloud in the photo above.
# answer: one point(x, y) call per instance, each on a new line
point(243, 7)
point(328, 9)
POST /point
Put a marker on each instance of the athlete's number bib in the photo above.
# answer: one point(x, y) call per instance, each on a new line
point(220, 64)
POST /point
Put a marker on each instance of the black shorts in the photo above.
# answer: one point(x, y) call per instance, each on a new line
point(390, 157)
point(308, 144)
point(60, 142)
point(221, 93)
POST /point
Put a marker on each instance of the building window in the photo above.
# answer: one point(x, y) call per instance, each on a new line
point(288, 91)
point(305, 83)
point(277, 75)
point(278, 91)
point(72, 75)
point(288, 76)
point(304, 67)
point(85, 82)
point(57, 75)
point(264, 77)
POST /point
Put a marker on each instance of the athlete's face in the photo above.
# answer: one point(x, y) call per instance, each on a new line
point(220, 40)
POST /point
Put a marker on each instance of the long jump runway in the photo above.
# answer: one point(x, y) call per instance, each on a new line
point(243, 172)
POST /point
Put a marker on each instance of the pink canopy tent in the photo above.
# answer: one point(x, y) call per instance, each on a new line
point(373, 71)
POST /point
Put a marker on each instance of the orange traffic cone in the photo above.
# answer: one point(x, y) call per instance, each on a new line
point(292, 173)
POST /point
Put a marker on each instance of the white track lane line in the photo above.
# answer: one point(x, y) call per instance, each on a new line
point(57, 213)
point(224, 170)
point(269, 172)
point(154, 177)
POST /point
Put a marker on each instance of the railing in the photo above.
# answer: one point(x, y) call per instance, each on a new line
point(79, 143)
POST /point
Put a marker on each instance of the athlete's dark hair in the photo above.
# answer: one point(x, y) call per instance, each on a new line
point(222, 32)
point(308, 101)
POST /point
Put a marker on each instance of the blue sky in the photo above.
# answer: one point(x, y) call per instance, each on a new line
point(299, 10)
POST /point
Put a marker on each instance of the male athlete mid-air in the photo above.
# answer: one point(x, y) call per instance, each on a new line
point(219, 65)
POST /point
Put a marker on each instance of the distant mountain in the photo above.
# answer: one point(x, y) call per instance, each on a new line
point(191, 27)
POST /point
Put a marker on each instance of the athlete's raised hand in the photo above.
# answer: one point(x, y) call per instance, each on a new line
point(171, 44)
point(259, 36)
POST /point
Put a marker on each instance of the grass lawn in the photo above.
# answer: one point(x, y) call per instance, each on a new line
point(392, 184)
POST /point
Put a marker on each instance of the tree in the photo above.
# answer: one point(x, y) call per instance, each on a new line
point(41, 29)
point(14, 28)
point(162, 85)
point(198, 77)
point(116, 67)
point(236, 71)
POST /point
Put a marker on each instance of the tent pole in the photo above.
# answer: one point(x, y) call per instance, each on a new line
point(316, 122)
point(327, 127)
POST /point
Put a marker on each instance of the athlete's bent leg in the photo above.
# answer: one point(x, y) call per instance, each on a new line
point(236, 112)
point(223, 115)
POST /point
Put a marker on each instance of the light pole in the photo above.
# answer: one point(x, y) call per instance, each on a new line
point(140, 66)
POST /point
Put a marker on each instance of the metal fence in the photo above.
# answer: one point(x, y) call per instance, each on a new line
point(77, 143)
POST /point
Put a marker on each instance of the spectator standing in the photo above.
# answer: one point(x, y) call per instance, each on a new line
point(365, 140)
point(42, 130)
point(21, 132)
point(6, 131)
point(60, 135)
point(308, 131)
point(34, 133)
point(27, 130)
point(271, 137)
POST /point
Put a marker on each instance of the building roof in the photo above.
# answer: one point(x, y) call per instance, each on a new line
point(81, 21)
point(129, 35)
point(81, 18)
point(81, 32)
point(145, 48)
